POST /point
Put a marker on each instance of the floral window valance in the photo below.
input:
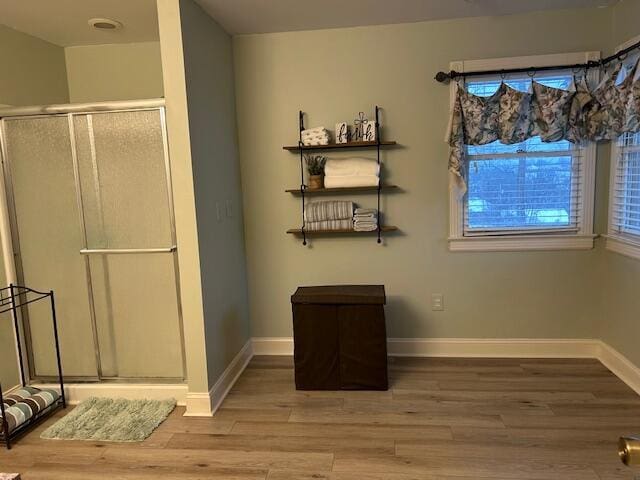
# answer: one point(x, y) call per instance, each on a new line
point(579, 114)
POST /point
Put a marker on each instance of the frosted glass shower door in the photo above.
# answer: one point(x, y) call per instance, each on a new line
point(47, 240)
point(128, 219)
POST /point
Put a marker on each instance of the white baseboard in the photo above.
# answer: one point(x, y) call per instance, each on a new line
point(198, 404)
point(272, 345)
point(205, 404)
point(492, 347)
point(621, 366)
point(229, 377)
point(457, 347)
point(77, 392)
point(11, 389)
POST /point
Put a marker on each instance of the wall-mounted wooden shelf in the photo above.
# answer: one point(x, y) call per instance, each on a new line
point(298, 231)
point(331, 146)
point(342, 190)
point(377, 190)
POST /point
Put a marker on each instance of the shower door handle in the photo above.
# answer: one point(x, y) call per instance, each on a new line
point(112, 251)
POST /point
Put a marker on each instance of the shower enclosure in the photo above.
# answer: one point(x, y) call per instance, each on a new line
point(91, 215)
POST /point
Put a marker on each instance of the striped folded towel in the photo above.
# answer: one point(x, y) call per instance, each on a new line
point(325, 225)
point(328, 210)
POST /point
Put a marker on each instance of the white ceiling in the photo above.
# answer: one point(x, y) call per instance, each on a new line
point(262, 16)
point(64, 22)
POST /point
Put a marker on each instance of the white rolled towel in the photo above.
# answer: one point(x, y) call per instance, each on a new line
point(355, 166)
point(315, 141)
point(314, 137)
point(350, 181)
point(310, 132)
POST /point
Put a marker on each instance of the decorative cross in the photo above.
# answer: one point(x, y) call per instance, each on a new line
point(358, 126)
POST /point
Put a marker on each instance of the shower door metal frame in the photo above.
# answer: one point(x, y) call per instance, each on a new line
point(71, 111)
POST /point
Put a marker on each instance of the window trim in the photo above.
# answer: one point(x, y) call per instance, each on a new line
point(624, 244)
point(580, 240)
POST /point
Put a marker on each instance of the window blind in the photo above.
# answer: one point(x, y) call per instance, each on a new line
point(528, 187)
point(626, 186)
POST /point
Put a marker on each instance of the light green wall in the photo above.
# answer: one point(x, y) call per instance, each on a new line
point(33, 70)
point(334, 74)
point(9, 373)
point(216, 174)
point(130, 71)
point(626, 20)
point(175, 92)
point(33, 74)
point(619, 275)
point(620, 304)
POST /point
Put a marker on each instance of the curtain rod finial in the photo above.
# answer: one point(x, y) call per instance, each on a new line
point(443, 77)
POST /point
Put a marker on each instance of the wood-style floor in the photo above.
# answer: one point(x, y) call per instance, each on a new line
point(449, 419)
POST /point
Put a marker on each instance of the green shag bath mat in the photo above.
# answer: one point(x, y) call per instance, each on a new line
point(109, 420)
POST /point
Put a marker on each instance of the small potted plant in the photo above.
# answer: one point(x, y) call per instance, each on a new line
point(315, 168)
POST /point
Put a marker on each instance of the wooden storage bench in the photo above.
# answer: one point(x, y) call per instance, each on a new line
point(340, 338)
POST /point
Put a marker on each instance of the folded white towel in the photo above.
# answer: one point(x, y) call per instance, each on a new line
point(365, 219)
point(365, 211)
point(368, 227)
point(353, 181)
point(355, 166)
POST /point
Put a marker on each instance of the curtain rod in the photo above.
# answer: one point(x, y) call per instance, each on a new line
point(445, 77)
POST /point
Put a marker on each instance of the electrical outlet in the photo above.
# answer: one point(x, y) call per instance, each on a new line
point(437, 302)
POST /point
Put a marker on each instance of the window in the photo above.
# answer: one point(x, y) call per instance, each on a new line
point(624, 216)
point(526, 187)
point(530, 195)
point(624, 189)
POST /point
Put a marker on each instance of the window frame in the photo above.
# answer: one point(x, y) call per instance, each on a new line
point(583, 239)
point(623, 243)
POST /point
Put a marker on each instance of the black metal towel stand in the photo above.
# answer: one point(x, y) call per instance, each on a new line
point(302, 185)
point(12, 298)
point(379, 173)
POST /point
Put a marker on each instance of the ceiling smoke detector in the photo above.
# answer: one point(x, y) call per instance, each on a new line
point(105, 24)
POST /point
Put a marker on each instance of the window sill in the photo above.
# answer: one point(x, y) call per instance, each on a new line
point(623, 246)
point(520, 243)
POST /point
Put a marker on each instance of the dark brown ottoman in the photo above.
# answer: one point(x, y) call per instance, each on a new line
point(340, 340)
